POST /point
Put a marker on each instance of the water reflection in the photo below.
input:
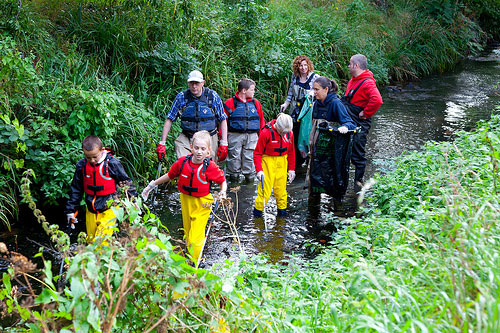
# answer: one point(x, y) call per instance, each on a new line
point(431, 109)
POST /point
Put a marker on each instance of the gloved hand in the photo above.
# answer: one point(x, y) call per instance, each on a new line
point(260, 176)
point(303, 153)
point(342, 129)
point(71, 220)
point(311, 93)
point(222, 151)
point(291, 176)
point(148, 189)
point(221, 195)
point(161, 150)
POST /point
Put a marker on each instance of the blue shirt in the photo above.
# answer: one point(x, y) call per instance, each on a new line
point(180, 103)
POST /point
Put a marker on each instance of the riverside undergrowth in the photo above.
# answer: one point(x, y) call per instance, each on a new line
point(425, 257)
point(112, 68)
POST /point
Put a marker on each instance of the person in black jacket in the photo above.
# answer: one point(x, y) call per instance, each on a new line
point(98, 176)
point(328, 107)
point(327, 172)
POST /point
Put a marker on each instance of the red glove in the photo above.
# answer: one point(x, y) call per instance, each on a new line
point(222, 151)
point(161, 150)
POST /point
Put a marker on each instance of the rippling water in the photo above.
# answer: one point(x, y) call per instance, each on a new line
point(431, 109)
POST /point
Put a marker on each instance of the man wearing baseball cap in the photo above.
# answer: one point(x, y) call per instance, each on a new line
point(200, 109)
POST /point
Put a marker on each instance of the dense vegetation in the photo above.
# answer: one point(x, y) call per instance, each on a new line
point(425, 256)
point(112, 68)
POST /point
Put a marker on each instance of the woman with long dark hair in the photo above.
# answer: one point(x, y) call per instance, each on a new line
point(330, 153)
point(328, 107)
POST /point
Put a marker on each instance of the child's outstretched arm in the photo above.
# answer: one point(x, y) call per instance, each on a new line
point(152, 184)
point(223, 190)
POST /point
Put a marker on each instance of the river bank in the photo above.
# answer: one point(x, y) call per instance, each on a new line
point(424, 257)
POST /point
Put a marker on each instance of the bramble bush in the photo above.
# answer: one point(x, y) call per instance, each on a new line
point(44, 121)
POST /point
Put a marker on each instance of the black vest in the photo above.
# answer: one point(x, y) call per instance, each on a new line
point(198, 114)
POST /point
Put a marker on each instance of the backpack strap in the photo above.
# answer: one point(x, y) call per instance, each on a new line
point(235, 104)
point(209, 95)
point(310, 79)
point(306, 84)
point(186, 158)
point(106, 163)
point(228, 109)
point(206, 162)
point(187, 98)
point(270, 127)
point(353, 91)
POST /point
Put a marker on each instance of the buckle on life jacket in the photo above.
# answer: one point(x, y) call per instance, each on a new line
point(189, 189)
point(95, 188)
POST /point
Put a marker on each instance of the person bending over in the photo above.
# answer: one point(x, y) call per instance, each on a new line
point(274, 159)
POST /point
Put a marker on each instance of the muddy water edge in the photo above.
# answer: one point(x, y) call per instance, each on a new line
point(430, 109)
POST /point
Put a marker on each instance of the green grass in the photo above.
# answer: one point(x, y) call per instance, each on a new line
point(424, 257)
point(8, 205)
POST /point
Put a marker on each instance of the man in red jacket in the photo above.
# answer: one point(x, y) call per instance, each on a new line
point(362, 99)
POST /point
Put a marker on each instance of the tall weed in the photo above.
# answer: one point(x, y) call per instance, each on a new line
point(423, 258)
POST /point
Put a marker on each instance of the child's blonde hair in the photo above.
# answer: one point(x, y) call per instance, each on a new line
point(202, 136)
point(284, 122)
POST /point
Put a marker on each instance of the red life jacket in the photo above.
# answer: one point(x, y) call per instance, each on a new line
point(194, 181)
point(96, 178)
point(278, 145)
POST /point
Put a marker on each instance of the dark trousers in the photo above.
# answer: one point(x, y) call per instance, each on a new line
point(358, 157)
point(298, 158)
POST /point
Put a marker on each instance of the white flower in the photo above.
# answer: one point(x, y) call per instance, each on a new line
point(226, 287)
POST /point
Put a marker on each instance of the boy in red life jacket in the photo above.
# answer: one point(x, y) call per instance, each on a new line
point(274, 158)
point(97, 176)
point(195, 173)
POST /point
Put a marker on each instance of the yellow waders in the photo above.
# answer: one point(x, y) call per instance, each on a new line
point(275, 175)
point(99, 225)
point(195, 213)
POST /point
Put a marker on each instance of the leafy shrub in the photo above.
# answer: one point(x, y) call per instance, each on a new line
point(56, 116)
point(423, 258)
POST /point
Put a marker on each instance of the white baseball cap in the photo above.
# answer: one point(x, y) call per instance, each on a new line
point(195, 76)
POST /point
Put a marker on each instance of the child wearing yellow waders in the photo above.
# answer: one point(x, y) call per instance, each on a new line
point(195, 173)
point(274, 158)
point(97, 176)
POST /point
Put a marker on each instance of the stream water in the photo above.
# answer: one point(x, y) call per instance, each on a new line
point(431, 109)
